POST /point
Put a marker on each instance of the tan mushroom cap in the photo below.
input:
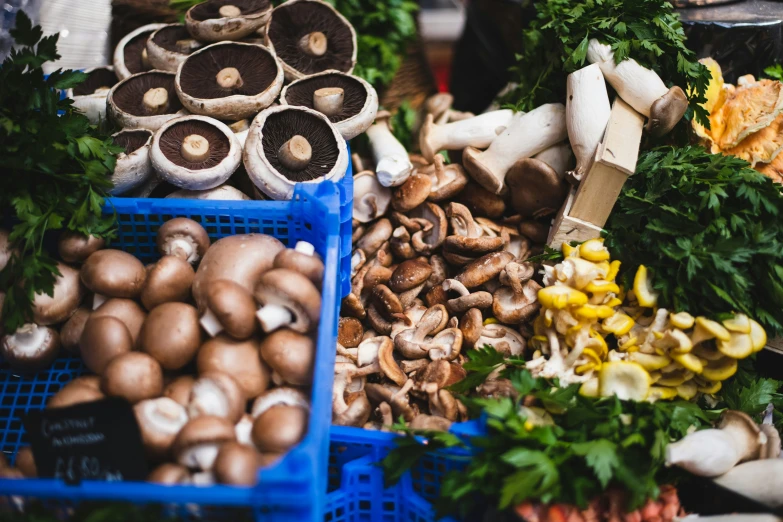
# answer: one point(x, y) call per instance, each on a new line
point(169, 474)
point(75, 247)
point(126, 310)
point(25, 462)
point(294, 292)
point(103, 339)
point(471, 324)
point(511, 306)
point(482, 202)
point(291, 356)
point(179, 389)
point(184, 238)
point(410, 274)
point(79, 390)
point(30, 348)
point(68, 294)
point(484, 269)
point(430, 422)
point(113, 273)
point(171, 334)
point(217, 393)
point(168, 280)
point(666, 111)
point(134, 376)
point(205, 429)
point(160, 420)
point(237, 465)
point(239, 359)
point(234, 308)
point(349, 332)
point(72, 330)
point(412, 193)
point(536, 188)
point(280, 428)
point(374, 237)
point(536, 231)
point(309, 266)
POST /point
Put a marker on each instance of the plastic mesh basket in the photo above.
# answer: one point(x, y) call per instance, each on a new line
point(293, 489)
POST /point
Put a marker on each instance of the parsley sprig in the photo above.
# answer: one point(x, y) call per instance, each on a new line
point(555, 44)
point(55, 167)
point(709, 227)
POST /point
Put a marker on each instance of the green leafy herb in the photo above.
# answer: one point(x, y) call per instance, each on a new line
point(749, 393)
point(402, 122)
point(555, 44)
point(481, 362)
point(55, 167)
point(774, 71)
point(709, 228)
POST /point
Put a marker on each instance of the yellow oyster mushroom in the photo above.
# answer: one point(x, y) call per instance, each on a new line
point(614, 269)
point(682, 320)
point(590, 311)
point(739, 346)
point(707, 351)
point(706, 329)
point(758, 337)
point(568, 250)
point(594, 250)
point(627, 380)
point(600, 286)
point(687, 390)
point(710, 387)
point(560, 296)
point(589, 388)
point(720, 370)
point(650, 361)
point(739, 323)
point(643, 290)
point(661, 393)
point(618, 324)
point(689, 362)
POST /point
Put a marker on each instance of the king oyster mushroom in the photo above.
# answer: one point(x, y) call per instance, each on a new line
point(229, 80)
point(218, 20)
point(348, 101)
point(130, 55)
point(168, 47)
point(145, 100)
point(133, 166)
point(195, 152)
point(288, 145)
point(310, 36)
point(89, 96)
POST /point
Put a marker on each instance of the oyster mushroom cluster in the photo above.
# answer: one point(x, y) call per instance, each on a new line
point(204, 91)
point(242, 312)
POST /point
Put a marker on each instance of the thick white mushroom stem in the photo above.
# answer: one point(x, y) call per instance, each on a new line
point(229, 11)
point(229, 78)
point(296, 153)
point(303, 247)
point(587, 114)
point(272, 317)
point(28, 338)
point(329, 100)
point(393, 166)
point(156, 101)
point(706, 453)
point(478, 131)
point(211, 324)
point(195, 148)
point(187, 45)
point(314, 44)
point(760, 480)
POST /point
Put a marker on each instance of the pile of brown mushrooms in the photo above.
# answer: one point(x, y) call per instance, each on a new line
point(206, 91)
point(214, 345)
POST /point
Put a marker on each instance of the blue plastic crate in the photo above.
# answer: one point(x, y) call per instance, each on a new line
point(346, 226)
point(293, 489)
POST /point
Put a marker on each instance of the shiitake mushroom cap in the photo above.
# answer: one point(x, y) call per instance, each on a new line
point(126, 106)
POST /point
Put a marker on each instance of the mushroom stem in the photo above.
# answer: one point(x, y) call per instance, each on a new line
point(393, 166)
point(329, 100)
point(195, 148)
point(587, 114)
point(145, 60)
point(296, 153)
point(305, 248)
point(273, 316)
point(200, 456)
point(156, 101)
point(314, 43)
point(187, 45)
point(181, 247)
point(229, 78)
point(229, 11)
point(478, 132)
point(211, 324)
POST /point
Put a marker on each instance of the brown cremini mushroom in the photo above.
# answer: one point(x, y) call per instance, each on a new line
point(287, 299)
point(169, 474)
point(160, 420)
point(112, 273)
point(198, 442)
point(134, 376)
point(75, 247)
point(82, 389)
point(72, 330)
point(230, 309)
point(217, 393)
point(30, 348)
point(126, 310)
point(167, 280)
point(171, 334)
point(290, 355)
point(303, 259)
point(178, 390)
point(239, 359)
point(237, 465)
point(281, 418)
point(103, 339)
point(183, 238)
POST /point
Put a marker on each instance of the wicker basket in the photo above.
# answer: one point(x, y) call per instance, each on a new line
point(413, 82)
point(127, 15)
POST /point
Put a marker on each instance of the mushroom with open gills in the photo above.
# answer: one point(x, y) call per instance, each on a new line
point(281, 418)
point(303, 259)
point(288, 145)
point(89, 96)
point(195, 152)
point(198, 442)
point(72, 330)
point(242, 258)
point(127, 311)
point(133, 167)
point(348, 101)
point(167, 280)
point(432, 235)
point(447, 180)
point(184, 238)
point(229, 80)
point(503, 339)
point(395, 396)
point(237, 465)
point(169, 474)
point(231, 309)
point(112, 273)
point(348, 408)
point(168, 47)
point(370, 198)
point(160, 420)
point(134, 376)
point(86, 388)
point(310, 36)
point(290, 355)
point(414, 343)
point(536, 188)
point(218, 20)
point(518, 301)
point(68, 293)
point(239, 359)
point(144, 101)
point(130, 55)
point(103, 339)
point(30, 348)
point(217, 393)
point(171, 334)
point(288, 299)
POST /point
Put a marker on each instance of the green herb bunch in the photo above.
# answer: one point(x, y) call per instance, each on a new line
point(55, 167)
point(555, 44)
point(709, 227)
point(590, 446)
point(751, 394)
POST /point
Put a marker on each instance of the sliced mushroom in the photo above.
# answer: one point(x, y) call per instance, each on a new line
point(229, 80)
point(309, 37)
point(144, 101)
point(198, 442)
point(68, 293)
point(134, 376)
point(195, 152)
point(79, 390)
point(30, 348)
point(288, 145)
point(103, 339)
point(130, 55)
point(171, 334)
point(112, 273)
point(89, 96)
point(287, 299)
point(348, 101)
point(291, 356)
point(218, 20)
point(217, 393)
point(133, 167)
point(281, 418)
point(74, 247)
point(167, 280)
point(168, 47)
point(160, 420)
point(370, 198)
point(184, 238)
point(230, 309)
point(239, 359)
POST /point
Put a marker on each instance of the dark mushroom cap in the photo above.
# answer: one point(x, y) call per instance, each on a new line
point(410, 274)
point(349, 332)
point(292, 290)
point(113, 273)
point(97, 78)
point(535, 231)
point(206, 22)
point(471, 324)
point(666, 111)
point(103, 339)
point(482, 202)
point(239, 359)
point(536, 189)
point(79, 390)
point(237, 465)
point(279, 428)
point(296, 19)
point(134, 376)
point(259, 83)
point(75, 247)
point(30, 348)
point(484, 268)
point(412, 193)
point(291, 356)
point(128, 53)
point(233, 306)
point(167, 280)
point(126, 101)
point(171, 334)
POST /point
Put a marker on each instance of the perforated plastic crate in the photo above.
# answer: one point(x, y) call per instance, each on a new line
point(293, 489)
point(346, 227)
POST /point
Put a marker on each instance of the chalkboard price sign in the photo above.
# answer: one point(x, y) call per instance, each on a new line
point(92, 441)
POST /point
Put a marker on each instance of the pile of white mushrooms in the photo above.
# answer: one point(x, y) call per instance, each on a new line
point(203, 109)
point(214, 345)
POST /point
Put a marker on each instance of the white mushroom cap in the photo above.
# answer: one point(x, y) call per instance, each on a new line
point(133, 166)
point(120, 66)
point(168, 160)
point(265, 176)
point(206, 27)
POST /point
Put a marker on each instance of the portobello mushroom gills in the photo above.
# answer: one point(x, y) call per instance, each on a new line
point(235, 70)
point(135, 53)
point(131, 139)
point(194, 144)
point(212, 9)
point(97, 79)
point(148, 94)
point(176, 38)
point(311, 38)
point(321, 93)
point(298, 145)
